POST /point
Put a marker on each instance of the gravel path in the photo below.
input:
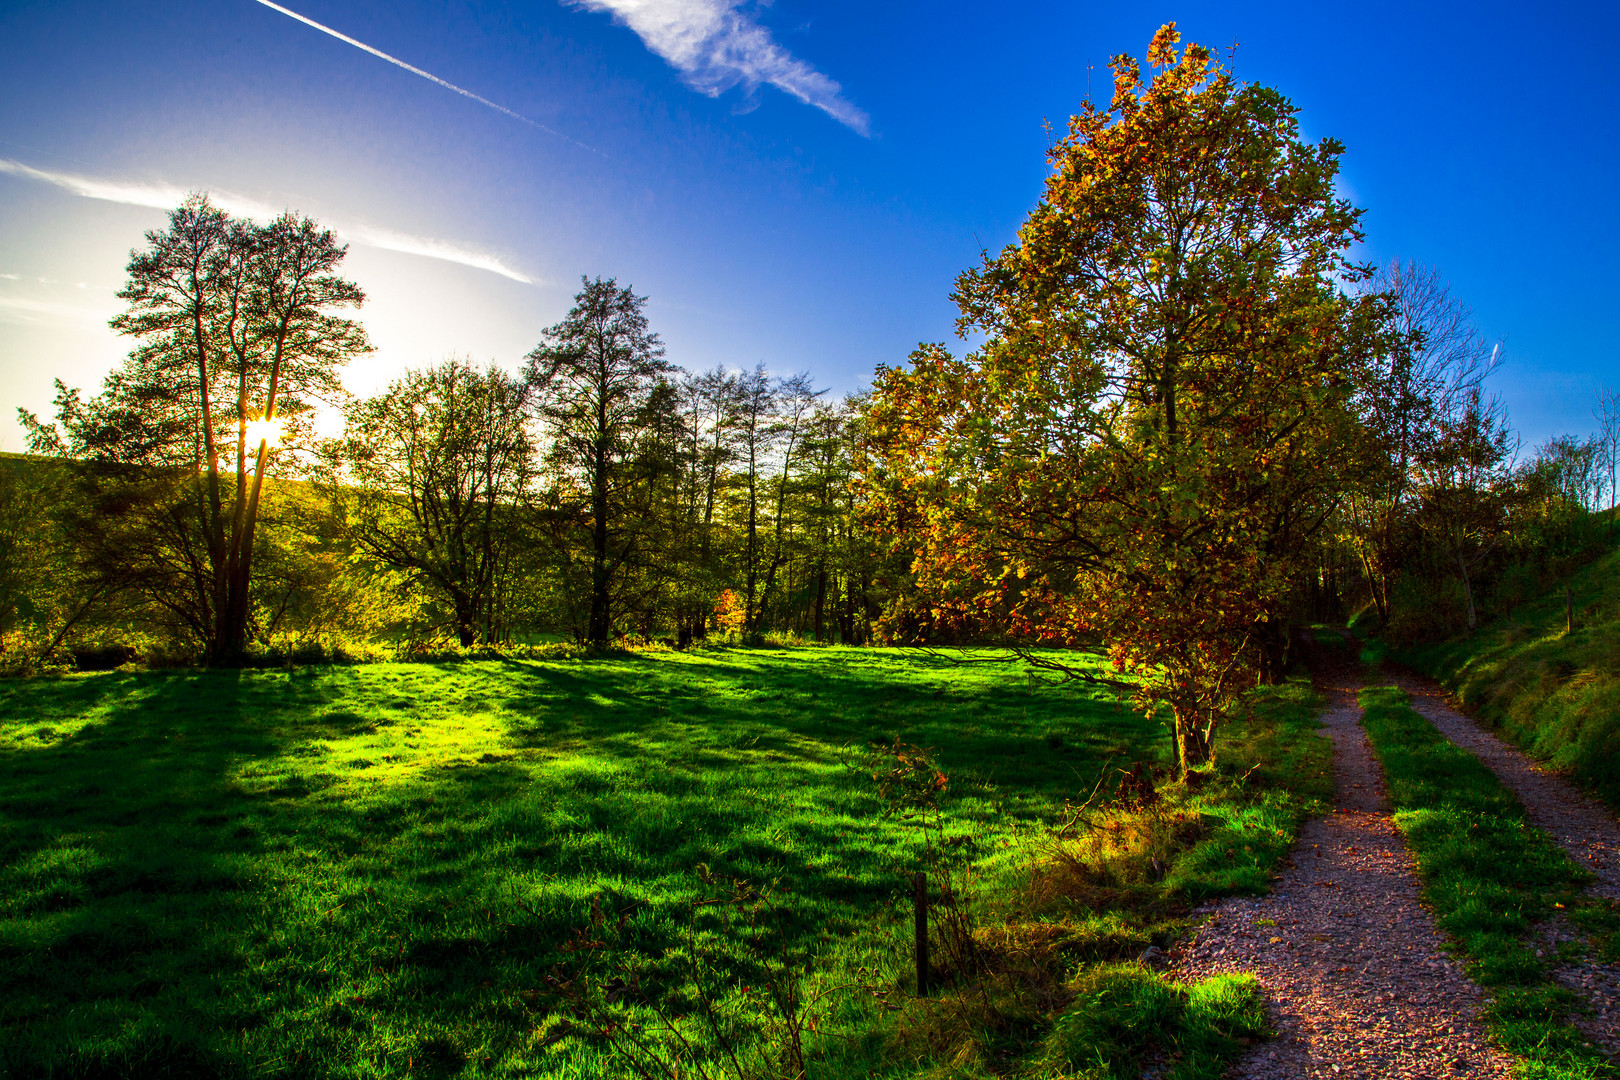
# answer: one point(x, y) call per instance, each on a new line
point(1351, 962)
point(1586, 828)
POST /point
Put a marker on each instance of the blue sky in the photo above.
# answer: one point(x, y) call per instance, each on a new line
point(792, 183)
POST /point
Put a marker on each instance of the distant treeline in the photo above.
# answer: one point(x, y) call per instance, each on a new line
point(187, 512)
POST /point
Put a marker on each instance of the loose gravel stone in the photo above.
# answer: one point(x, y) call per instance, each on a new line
point(1585, 828)
point(1353, 968)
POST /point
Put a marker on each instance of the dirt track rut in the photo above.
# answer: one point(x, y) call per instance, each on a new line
point(1350, 960)
point(1587, 829)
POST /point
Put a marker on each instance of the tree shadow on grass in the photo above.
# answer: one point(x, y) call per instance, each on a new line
point(114, 890)
point(192, 884)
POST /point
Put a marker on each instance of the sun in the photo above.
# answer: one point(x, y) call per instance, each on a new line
point(266, 431)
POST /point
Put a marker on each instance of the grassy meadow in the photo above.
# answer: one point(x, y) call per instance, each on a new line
point(395, 869)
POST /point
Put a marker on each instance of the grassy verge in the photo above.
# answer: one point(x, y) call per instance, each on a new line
point(1489, 875)
point(1058, 936)
point(1555, 694)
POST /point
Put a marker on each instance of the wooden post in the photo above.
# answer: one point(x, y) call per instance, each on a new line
point(919, 885)
point(1569, 612)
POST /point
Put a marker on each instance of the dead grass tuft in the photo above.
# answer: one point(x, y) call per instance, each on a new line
point(1119, 858)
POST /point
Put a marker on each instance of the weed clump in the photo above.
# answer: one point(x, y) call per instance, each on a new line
point(1118, 853)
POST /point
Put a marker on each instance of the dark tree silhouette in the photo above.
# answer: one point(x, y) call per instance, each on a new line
point(237, 340)
point(598, 377)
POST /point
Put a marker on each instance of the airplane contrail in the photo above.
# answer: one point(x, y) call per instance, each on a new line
point(429, 76)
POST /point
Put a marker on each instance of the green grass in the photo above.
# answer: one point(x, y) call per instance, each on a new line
point(1121, 1014)
point(1557, 696)
point(372, 870)
point(1087, 901)
point(1490, 875)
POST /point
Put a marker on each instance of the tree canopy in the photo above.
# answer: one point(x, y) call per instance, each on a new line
point(1160, 413)
point(599, 374)
point(239, 335)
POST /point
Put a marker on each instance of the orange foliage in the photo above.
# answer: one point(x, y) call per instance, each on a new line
point(1159, 416)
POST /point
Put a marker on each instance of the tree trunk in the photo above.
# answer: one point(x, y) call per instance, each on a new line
point(601, 617)
point(821, 599)
point(1375, 588)
point(752, 548)
point(1468, 592)
point(1194, 744)
point(1273, 636)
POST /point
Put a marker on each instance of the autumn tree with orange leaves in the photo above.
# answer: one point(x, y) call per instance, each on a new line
point(1160, 415)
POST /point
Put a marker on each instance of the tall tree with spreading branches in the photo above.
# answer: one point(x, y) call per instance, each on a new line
point(1158, 417)
point(429, 478)
point(598, 378)
point(240, 334)
point(1434, 359)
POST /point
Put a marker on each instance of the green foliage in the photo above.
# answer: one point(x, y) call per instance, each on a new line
point(39, 591)
point(602, 391)
point(1555, 694)
point(1489, 875)
point(430, 478)
point(1122, 1013)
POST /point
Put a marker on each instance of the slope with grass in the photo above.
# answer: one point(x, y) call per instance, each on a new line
point(385, 870)
point(1555, 694)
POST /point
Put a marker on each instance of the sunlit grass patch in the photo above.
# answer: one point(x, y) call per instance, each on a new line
point(1122, 1016)
point(363, 870)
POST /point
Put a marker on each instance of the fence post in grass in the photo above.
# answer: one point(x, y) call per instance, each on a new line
point(1569, 612)
point(919, 886)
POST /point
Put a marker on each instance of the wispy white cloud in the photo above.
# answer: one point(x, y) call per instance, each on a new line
point(157, 195)
point(25, 309)
point(134, 193)
point(715, 46)
point(166, 197)
point(428, 247)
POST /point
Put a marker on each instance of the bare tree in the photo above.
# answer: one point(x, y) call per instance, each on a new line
point(1463, 481)
point(1607, 414)
point(795, 402)
point(713, 401)
point(756, 435)
point(1434, 367)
